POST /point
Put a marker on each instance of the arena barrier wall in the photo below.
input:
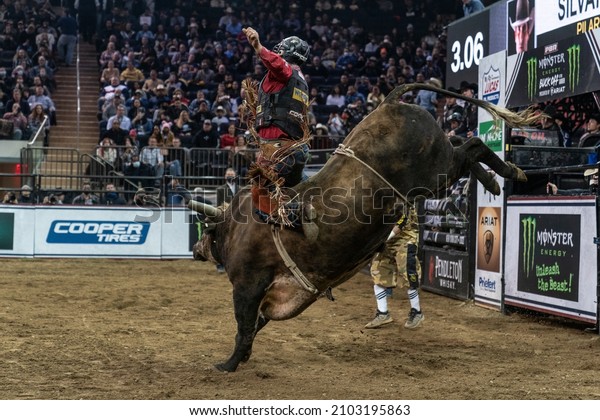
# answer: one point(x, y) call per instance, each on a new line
point(551, 261)
point(96, 232)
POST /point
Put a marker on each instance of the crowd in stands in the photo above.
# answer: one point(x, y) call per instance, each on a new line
point(174, 70)
point(170, 72)
point(30, 42)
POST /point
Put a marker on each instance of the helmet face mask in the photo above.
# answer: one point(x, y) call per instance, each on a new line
point(293, 49)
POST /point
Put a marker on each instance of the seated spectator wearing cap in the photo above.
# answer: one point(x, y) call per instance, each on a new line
point(431, 69)
point(26, 196)
point(548, 122)
point(165, 135)
point(591, 175)
point(450, 107)
point(592, 128)
point(207, 137)
point(220, 121)
point(470, 113)
point(137, 100)
point(86, 198)
point(161, 97)
point(56, 197)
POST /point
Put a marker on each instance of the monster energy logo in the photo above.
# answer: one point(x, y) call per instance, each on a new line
point(532, 66)
point(529, 231)
point(574, 58)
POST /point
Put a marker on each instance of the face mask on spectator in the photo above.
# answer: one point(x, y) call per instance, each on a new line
point(136, 164)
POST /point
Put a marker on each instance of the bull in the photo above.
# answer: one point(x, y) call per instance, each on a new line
point(396, 154)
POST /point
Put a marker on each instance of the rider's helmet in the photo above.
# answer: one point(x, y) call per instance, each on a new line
point(456, 116)
point(293, 50)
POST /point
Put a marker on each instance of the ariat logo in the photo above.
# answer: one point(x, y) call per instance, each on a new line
point(574, 66)
point(529, 235)
point(301, 96)
point(532, 66)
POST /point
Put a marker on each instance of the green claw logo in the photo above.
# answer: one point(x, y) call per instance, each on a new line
point(574, 60)
point(529, 232)
point(532, 66)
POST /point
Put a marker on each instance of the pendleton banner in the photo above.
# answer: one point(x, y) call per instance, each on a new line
point(553, 71)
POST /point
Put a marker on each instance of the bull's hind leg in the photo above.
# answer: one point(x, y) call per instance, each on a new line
point(476, 151)
point(247, 297)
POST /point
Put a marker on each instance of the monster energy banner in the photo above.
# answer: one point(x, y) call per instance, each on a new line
point(564, 68)
point(446, 272)
point(550, 256)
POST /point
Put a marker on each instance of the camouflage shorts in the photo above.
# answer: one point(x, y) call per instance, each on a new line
point(392, 265)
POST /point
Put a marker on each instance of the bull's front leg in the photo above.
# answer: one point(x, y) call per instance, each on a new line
point(246, 300)
point(477, 151)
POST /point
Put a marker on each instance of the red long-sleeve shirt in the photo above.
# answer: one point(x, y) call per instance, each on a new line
point(279, 73)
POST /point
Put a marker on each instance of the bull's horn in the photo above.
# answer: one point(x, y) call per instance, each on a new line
point(204, 208)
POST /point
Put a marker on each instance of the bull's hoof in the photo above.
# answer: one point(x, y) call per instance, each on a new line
point(519, 175)
point(493, 187)
point(222, 367)
point(246, 357)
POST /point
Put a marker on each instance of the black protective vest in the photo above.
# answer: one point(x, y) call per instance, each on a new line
point(285, 109)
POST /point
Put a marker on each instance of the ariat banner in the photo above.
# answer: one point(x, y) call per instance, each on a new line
point(553, 71)
point(489, 234)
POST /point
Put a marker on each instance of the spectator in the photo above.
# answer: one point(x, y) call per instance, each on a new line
point(470, 110)
point(220, 121)
point(138, 175)
point(107, 152)
point(592, 128)
point(472, 6)
point(37, 119)
point(26, 196)
point(68, 37)
point(184, 128)
point(336, 97)
point(17, 98)
point(152, 156)
point(228, 138)
point(111, 197)
point(175, 158)
point(120, 119)
point(129, 150)
point(131, 74)
point(375, 97)
point(450, 107)
point(226, 191)
point(207, 137)
point(165, 135)
point(86, 198)
point(427, 99)
point(177, 195)
point(18, 120)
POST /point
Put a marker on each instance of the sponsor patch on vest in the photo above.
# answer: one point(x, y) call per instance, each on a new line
point(259, 109)
point(300, 96)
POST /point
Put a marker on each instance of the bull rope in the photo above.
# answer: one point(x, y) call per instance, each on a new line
point(290, 264)
point(346, 151)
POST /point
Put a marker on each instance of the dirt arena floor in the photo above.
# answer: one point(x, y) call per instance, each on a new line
point(113, 329)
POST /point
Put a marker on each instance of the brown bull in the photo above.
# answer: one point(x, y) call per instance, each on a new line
point(395, 154)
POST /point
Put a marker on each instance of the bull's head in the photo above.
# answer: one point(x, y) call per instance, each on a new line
point(202, 250)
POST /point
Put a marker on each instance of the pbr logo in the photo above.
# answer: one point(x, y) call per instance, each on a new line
point(97, 232)
point(491, 86)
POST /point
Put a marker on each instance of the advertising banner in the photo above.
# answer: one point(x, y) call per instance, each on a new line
point(551, 262)
point(98, 232)
point(177, 223)
point(552, 71)
point(489, 237)
point(446, 271)
point(562, 19)
point(17, 227)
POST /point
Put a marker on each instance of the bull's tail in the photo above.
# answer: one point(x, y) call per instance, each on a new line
point(513, 119)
